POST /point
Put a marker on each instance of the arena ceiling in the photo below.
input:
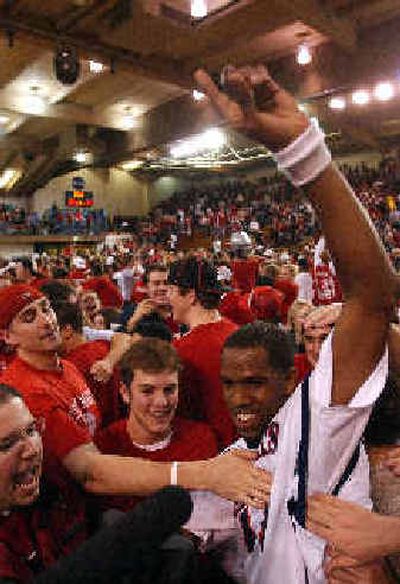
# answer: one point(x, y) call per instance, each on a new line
point(141, 100)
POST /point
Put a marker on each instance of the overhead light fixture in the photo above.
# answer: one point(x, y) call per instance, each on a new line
point(130, 165)
point(7, 177)
point(384, 91)
point(4, 119)
point(198, 95)
point(96, 67)
point(66, 65)
point(304, 56)
point(81, 157)
point(129, 122)
point(34, 103)
point(198, 9)
point(337, 103)
point(211, 139)
point(360, 97)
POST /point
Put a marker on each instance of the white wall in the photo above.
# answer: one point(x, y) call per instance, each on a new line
point(113, 189)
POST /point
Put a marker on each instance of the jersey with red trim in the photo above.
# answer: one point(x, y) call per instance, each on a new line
point(201, 395)
point(106, 394)
point(190, 441)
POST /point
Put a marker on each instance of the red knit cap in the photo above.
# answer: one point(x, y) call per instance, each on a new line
point(13, 299)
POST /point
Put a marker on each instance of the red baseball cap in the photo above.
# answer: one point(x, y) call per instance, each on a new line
point(13, 299)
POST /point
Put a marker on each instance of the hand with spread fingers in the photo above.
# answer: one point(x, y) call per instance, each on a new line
point(348, 528)
point(254, 104)
point(234, 476)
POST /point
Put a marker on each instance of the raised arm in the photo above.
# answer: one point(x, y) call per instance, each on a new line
point(255, 105)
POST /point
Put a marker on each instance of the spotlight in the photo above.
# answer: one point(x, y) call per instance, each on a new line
point(96, 67)
point(360, 97)
point(198, 95)
point(128, 122)
point(384, 91)
point(81, 157)
point(4, 119)
point(198, 9)
point(34, 103)
point(304, 56)
point(337, 103)
point(66, 65)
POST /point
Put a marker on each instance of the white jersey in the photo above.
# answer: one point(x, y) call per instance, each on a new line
point(282, 549)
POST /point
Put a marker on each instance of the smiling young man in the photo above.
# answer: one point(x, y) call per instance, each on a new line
point(152, 430)
point(54, 389)
point(317, 428)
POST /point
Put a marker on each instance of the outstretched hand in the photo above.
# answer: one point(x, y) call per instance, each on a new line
point(254, 104)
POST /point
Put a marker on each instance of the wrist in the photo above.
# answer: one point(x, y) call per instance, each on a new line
point(195, 476)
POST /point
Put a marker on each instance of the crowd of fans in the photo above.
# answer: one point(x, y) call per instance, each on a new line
point(262, 376)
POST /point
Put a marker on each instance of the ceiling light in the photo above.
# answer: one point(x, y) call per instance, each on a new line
point(211, 139)
point(198, 95)
point(337, 103)
point(384, 91)
point(360, 97)
point(7, 176)
point(198, 9)
point(304, 56)
point(4, 119)
point(34, 103)
point(96, 66)
point(81, 157)
point(130, 165)
point(128, 122)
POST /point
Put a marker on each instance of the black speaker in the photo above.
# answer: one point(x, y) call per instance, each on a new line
point(66, 65)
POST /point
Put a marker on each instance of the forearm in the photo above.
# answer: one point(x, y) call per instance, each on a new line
point(120, 344)
point(363, 267)
point(108, 474)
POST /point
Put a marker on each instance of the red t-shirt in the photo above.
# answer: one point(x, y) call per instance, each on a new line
point(266, 303)
point(190, 441)
point(235, 306)
point(105, 394)
point(64, 400)
point(201, 396)
point(290, 292)
point(34, 538)
point(108, 292)
point(244, 274)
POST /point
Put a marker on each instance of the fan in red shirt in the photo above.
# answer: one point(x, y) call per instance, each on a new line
point(150, 390)
point(244, 273)
point(56, 391)
point(84, 354)
point(108, 292)
point(195, 296)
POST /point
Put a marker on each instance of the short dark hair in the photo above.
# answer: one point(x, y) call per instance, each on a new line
point(153, 268)
point(57, 292)
point(200, 276)
point(150, 355)
point(70, 314)
point(276, 342)
point(154, 326)
point(7, 393)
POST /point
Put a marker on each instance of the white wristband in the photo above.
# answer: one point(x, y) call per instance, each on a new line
point(306, 157)
point(174, 473)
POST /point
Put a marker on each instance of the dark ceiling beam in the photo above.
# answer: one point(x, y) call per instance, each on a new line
point(153, 67)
